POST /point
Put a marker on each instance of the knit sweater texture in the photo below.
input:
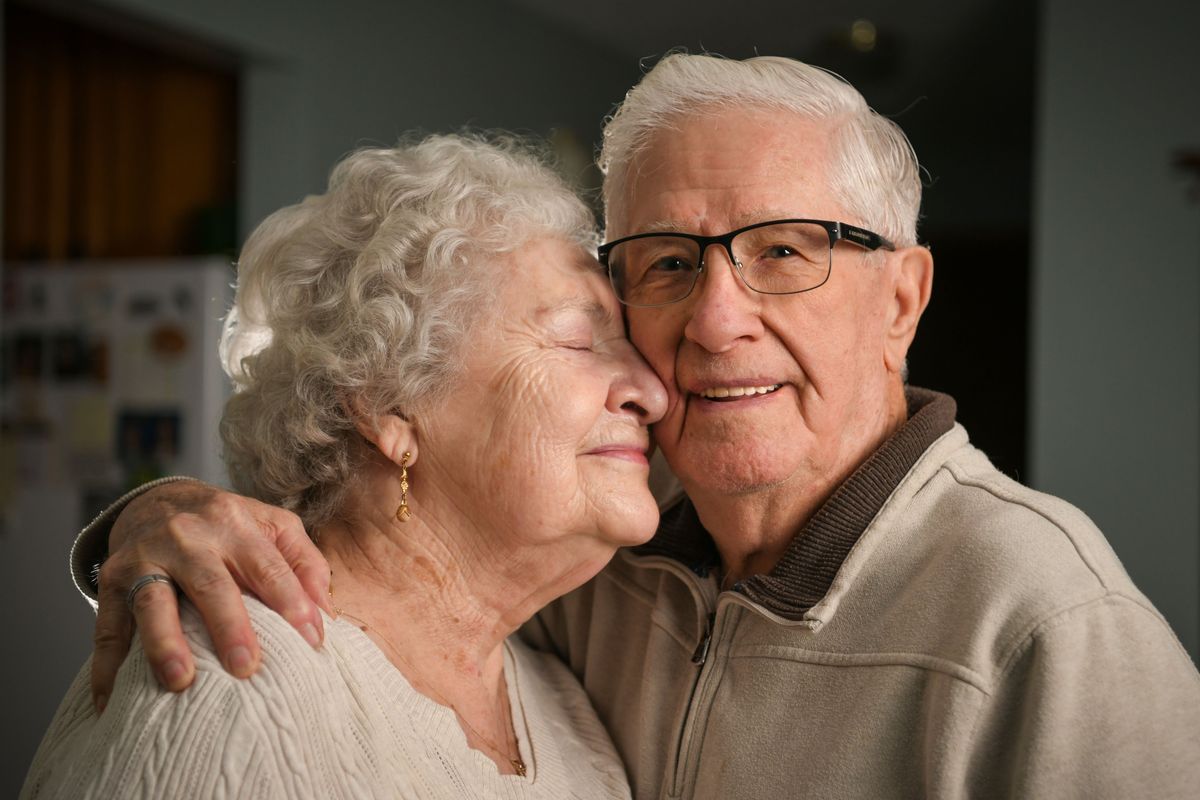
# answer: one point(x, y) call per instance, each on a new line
point(340, 722)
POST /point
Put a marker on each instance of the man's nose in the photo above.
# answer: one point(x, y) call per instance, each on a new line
point(724, 310)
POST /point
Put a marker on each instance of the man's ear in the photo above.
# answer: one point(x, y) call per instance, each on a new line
point(391, 434)
point(913, 286)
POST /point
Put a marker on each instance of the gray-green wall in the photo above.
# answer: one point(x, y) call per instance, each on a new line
point(1115, 361)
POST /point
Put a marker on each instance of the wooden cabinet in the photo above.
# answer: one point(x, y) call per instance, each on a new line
point(114, 147)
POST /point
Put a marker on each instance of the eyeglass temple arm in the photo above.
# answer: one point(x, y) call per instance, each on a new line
point(863, 237)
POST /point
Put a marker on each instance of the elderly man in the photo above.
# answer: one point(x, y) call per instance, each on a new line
point(847, 600)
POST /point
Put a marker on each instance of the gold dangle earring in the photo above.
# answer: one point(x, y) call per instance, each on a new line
point(402, 513)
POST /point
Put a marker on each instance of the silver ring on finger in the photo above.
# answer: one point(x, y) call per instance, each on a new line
point(142, 583)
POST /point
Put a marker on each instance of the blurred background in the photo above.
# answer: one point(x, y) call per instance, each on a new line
point(143, 139)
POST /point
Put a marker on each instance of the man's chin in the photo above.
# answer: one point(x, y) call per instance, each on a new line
point(731, 477)
point(732, 456)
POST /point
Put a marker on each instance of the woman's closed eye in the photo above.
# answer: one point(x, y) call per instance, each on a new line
point(598, 342)
point(581, 338)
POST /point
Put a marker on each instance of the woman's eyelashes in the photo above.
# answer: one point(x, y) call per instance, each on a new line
point(586, 337)
point(575, 337)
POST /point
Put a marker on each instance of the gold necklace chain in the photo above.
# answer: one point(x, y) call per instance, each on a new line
point(516, 761)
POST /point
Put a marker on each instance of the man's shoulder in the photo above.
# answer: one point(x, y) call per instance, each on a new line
point(991, 563)
point(981, 513)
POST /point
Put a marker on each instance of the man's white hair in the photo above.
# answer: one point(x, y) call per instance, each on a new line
point(875, 176)
point(365, 295)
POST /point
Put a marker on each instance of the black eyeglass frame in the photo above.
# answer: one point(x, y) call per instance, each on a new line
point(838, 231)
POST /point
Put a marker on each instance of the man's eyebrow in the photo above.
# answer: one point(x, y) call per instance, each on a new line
point(664, 226)
point(739, 221)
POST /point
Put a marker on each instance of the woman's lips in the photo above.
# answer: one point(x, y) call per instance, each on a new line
point(625, 452)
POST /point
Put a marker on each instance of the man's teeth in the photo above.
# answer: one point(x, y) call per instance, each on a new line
point(738, 391)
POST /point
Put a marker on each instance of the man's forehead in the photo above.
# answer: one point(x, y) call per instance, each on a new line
point(712, 173)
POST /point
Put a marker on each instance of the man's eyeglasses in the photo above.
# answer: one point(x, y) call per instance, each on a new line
point(785, 256)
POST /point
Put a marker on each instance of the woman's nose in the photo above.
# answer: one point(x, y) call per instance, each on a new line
point(637, 389)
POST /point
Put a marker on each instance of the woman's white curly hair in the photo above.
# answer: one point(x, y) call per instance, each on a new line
point(366, 294)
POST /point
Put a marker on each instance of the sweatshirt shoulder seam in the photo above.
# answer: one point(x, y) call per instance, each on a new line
point(960, 476)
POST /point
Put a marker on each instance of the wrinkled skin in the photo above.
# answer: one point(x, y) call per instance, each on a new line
point(756, 468)
point(544, 445)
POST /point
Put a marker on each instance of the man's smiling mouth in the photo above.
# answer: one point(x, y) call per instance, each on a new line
point(726, 393)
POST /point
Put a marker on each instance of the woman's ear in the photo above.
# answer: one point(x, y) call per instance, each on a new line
point(391, 434)
point(913, 287)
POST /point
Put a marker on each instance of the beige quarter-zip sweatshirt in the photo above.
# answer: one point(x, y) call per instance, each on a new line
point(936, 630)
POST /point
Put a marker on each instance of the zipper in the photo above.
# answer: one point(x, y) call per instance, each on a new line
point(699, 705)
point(701, 653)
point(707, 603)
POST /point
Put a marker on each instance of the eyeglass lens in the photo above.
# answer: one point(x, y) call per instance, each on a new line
point(774, 259)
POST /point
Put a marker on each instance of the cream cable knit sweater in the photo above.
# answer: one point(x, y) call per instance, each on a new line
point(341, 722)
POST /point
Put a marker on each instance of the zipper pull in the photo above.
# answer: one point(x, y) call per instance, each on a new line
point(701, 654)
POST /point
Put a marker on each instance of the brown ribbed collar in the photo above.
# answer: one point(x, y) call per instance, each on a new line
point(806, 571)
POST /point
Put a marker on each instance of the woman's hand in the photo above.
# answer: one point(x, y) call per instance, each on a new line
point(212, 544)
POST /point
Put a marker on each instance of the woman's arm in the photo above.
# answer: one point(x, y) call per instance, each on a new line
point(210, 542)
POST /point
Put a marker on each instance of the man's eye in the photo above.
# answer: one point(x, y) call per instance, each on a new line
point(778, 251)
point(669, 264)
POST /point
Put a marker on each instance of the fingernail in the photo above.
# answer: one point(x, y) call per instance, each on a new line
point(101, 702)
point(237, 661)
point(309, 632)
point(173, 673)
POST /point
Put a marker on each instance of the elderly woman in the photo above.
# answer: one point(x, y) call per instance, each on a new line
point(432, 372)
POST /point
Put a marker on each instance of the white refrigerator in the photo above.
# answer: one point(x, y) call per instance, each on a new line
point(110, 377)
